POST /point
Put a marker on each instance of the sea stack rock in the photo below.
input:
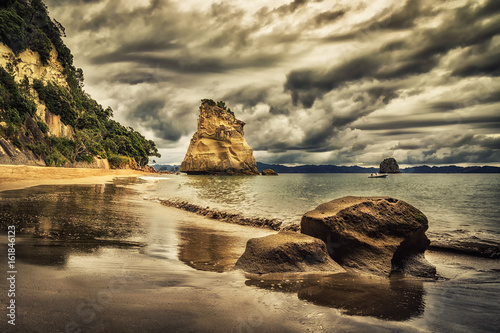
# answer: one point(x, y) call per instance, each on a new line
point(286, 251)
point(379, 235)
point(218, 146)
point(389, 165)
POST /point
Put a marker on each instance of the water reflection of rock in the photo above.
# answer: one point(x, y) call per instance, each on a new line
point(47, 252)
point(54, 221)
point(207, 249)
point(226, 190)
point(390, 299)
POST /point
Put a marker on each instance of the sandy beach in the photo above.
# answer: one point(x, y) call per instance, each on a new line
point(126, 264)
point(21, 176)
point(95, 252)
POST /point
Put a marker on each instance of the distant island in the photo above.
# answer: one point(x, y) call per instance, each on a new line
point(310, 168)
point(357, 169)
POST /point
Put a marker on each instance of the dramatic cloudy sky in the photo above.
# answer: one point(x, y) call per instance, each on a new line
point(317, 81)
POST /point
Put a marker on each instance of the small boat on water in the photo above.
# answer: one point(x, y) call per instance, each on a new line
point(377, 175)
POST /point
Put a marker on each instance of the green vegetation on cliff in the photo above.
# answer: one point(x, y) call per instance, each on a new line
point(27, 25)
point(220, 104)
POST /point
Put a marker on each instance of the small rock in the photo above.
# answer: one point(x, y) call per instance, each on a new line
point(389, 165)
point(269, 172)
point(286, 252)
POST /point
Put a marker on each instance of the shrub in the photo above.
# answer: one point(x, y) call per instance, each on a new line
point(63, 146)
point(58, 100)
point(12, 30)
point(210, 102)
point(39, 149)
point(17, 143)
point(12, 101)
point(118, 161)
point(87, 158)
point(221, 104)
point(56, 158)
point(43, 127)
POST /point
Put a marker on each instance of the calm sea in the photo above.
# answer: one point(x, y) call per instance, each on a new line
point(457, 206)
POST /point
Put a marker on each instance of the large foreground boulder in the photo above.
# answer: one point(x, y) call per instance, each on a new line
point(379, 235)
point(286, 251)
point(218, 146)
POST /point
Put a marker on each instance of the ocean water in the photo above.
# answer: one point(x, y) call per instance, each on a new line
point(458, 207)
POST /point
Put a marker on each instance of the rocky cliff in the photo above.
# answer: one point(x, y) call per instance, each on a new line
point(46, 117)
point(218, 146)
point(28, 64)
point(389, 165)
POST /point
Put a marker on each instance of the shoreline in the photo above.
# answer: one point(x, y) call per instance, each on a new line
point(147, 266)
point(221, 216)
point(15, 177)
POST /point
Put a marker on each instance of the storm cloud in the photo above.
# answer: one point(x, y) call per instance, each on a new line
point(316, 81)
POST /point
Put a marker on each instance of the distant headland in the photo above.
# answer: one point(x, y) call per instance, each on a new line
point(357, 169)
point(330, 168)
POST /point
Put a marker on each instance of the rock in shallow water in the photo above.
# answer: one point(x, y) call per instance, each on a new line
point(218, 146)
point(389, 165)
point(269, 172)
point(379, 235)
point(286, 251)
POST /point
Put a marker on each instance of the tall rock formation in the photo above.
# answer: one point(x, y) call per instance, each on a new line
point(218, 146)
point(389, 165)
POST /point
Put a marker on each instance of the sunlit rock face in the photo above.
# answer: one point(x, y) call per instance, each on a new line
point(218, 146)
point(28, 64)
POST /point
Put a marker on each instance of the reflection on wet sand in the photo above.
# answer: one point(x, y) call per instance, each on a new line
point(207, 249)
point(391, 299)
point(47, 252)
point(53, 222)
point(219, 190)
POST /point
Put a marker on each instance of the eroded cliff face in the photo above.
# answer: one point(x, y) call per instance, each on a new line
point(218, 146)
point(28, 64)
point(10, 154)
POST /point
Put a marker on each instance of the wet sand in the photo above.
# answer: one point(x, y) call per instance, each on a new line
point(22, 176)
point(126, 264)
point(100, 258)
